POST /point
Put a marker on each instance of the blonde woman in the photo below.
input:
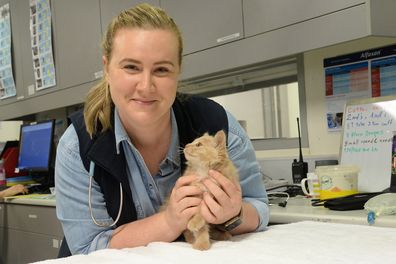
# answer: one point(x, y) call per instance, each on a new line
point(120, 158)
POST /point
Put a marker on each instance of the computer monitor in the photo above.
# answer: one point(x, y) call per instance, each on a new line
point(36, 149)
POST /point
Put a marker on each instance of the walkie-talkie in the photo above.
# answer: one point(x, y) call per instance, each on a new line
point(299, 168)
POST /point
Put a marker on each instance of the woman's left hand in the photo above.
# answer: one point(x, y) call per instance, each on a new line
point(223, 200)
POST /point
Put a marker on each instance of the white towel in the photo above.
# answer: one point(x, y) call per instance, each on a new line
point(303, 242)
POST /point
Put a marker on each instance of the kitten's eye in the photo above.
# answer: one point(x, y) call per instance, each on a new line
point(198, 144)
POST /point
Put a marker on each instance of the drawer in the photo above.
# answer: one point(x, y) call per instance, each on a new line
point(31, 218)
point(26, 247)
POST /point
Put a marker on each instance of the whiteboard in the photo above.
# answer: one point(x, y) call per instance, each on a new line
point(368, 129)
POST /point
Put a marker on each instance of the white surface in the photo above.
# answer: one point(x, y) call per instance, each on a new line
point(303, 242)
point(300, 209)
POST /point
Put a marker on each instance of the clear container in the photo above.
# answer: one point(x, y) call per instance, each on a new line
point(337, 180)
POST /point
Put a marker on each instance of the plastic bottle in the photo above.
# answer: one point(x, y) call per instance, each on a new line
point(2, 173)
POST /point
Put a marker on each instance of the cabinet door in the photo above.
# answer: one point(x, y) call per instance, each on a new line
point(77, 36)
point(26, 87)
point(206, 23)
point(111, 8)
point(266, 15)
point(28, 247)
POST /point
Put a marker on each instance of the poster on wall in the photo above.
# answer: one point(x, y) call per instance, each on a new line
point(41, 41)
point(7, 84)
point(365, 74)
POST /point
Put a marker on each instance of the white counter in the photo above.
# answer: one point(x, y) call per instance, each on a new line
point(300, 209)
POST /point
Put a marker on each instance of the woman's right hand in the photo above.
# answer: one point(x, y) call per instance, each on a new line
point(183, 203)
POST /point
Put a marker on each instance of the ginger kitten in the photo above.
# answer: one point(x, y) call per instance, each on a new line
point(203, 154)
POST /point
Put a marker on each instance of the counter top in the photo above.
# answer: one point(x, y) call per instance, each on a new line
point(300, 209)
point(32, 199)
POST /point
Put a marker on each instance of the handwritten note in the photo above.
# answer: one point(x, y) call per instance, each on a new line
point(367, 142)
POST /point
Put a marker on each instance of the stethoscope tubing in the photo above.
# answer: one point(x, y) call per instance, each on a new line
point(101, 224)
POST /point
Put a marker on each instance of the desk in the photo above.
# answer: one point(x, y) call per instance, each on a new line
point(300, 209)
point(29, 229)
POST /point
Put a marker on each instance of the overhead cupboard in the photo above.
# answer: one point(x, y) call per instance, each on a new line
point(219, 35)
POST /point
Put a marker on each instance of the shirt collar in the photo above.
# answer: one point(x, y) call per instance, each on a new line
point(173, 154)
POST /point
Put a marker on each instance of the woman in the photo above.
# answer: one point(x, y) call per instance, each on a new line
point(128, 140)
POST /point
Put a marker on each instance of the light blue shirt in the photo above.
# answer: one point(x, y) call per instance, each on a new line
point(72, 180)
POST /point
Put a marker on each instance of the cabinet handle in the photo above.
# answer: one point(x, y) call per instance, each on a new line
point(32, 216)
point(229, 37)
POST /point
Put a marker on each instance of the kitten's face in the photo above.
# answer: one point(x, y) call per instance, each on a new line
point(206, 148)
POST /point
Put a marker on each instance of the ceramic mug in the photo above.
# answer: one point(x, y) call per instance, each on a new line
point(337, 180)
point(312, 181)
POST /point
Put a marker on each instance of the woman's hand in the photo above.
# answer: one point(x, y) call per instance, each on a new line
point(223, 200)
point(14, 190)
point(183, 203)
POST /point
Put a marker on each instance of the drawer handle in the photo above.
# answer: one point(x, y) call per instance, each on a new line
point(32, 216)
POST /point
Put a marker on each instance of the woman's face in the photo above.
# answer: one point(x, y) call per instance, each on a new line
point(142, 74)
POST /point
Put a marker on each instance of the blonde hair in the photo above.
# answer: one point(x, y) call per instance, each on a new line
point(98, 104)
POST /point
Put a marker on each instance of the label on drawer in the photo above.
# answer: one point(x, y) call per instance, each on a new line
point(32, 216)
point(229, 37)
point(55, 243)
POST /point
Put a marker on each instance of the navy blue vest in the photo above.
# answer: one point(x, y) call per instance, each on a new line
point(194, 115)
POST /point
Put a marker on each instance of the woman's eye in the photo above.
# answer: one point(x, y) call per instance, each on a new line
point(131, 67)
point(162, 70)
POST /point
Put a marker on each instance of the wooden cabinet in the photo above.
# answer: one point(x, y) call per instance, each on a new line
point(265, 15)
point(30, 233)
point(206, 23)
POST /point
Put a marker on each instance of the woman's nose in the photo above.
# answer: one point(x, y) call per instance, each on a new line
point(146, 81)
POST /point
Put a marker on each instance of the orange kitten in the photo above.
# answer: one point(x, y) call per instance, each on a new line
point(203, 154)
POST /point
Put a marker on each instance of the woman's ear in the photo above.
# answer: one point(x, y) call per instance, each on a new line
point(105, 66)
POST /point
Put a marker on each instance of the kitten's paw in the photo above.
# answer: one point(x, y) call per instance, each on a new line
point(201, 244)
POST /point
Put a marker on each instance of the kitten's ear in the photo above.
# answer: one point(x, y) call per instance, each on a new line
point(220, 138)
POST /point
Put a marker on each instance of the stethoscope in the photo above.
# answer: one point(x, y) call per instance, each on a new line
point(101, 224)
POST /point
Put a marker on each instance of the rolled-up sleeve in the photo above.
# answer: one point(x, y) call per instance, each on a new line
point(71, 183)
point(242, 153)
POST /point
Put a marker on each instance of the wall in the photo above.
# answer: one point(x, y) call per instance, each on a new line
point(322, 144)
